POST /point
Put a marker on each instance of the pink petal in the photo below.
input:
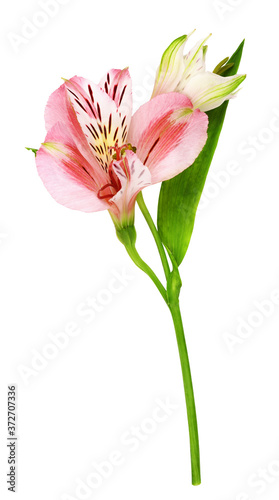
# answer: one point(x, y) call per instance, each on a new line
point(117, 84)
point(168, 135)
point(66, 174)
point(56, 108)
point(59, 109)
point(98, 117)
point(133, 176)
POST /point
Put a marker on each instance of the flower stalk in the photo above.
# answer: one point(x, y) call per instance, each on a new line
point(127, 236)
point(153, 229)
point(174, 307)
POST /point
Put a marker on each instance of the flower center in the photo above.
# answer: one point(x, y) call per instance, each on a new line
point(114, 185)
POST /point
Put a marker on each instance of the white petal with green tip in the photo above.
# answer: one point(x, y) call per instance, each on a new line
point(171, 68)
point(208, 91)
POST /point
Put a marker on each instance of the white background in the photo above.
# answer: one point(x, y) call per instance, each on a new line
point(109, 378)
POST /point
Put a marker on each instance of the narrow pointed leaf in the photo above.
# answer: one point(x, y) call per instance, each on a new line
point(32, 149)
point(180, 196)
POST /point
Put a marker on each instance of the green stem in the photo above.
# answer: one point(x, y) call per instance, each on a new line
point(155, 233)
point(127, 235)
point(189, 392)
point(132, 252)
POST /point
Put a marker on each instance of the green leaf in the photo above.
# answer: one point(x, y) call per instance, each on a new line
point(180, 196)
point(32, 149)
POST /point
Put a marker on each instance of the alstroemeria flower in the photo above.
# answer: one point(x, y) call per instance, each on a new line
point(96, 157)
point(187, 74)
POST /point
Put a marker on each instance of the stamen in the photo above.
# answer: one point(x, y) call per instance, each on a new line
point(126, 168)
point(114, 179)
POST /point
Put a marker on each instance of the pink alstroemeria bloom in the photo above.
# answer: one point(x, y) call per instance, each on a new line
point(96, 156)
